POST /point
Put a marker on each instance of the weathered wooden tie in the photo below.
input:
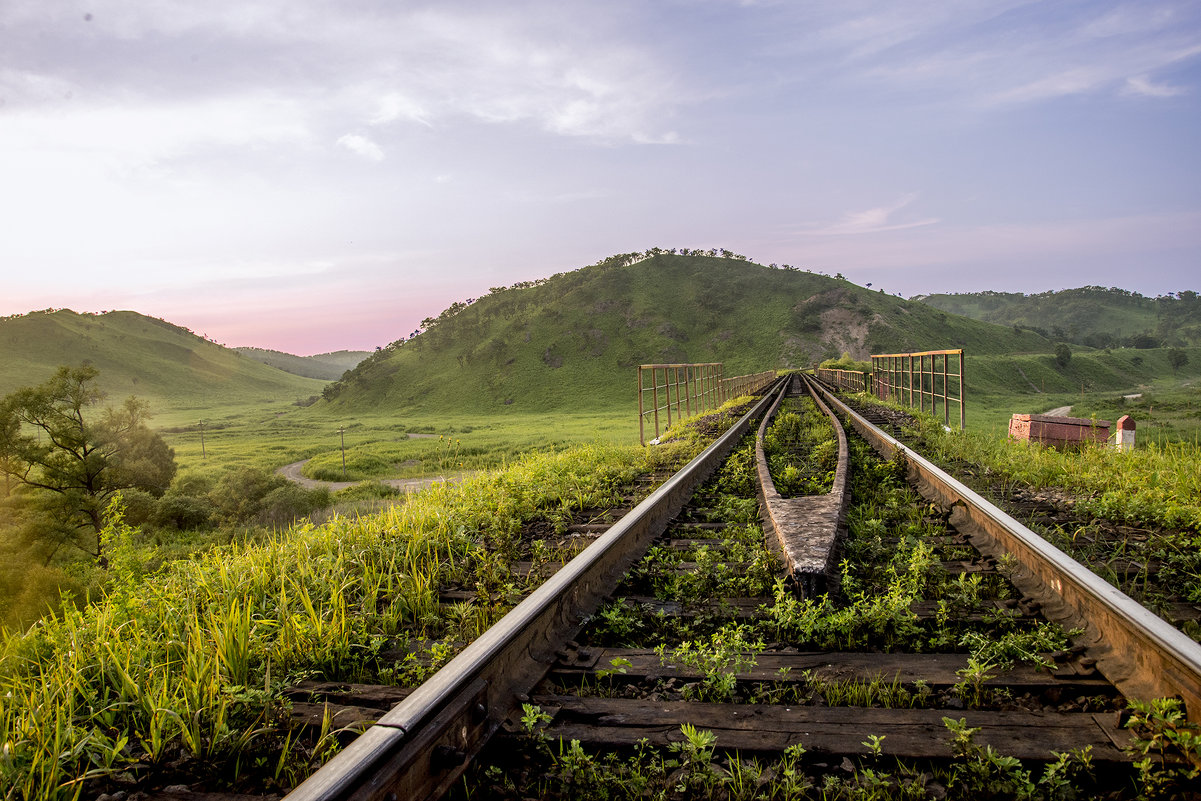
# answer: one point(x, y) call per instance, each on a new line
point(770, 729)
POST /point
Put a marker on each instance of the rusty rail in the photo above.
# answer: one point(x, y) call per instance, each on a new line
point(921, 379)
point(1142, 654)
point(420, 747)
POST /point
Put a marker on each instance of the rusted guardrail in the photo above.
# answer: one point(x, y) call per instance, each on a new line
point(746, 384)
point(851, 380)
point(923, 380)
point(667, 393)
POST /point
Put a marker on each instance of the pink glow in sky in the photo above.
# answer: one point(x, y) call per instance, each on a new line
point(310, 177)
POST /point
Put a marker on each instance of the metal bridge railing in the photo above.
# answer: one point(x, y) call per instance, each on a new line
point(922, 380)
point(850, 380)
point(667, 393)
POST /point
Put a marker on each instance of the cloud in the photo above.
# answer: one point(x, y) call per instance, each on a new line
point(1142, 86)
point(870, 221)
point(361, 145)
point(990, 55)
point(395, 106)
point(569, 77)
point(1052, 253)
point(571, 70)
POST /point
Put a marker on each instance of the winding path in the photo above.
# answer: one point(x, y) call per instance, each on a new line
point(293, 473)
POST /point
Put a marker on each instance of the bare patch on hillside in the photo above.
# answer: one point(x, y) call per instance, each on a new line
point(551, 359)
point(845, 331)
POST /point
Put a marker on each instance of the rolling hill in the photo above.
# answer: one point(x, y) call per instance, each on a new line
point(139, 355)
point(573, 340)
point(1091, 315)
point(324, 366)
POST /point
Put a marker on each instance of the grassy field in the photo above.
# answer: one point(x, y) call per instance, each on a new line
point(1093, 382)
point(378, 446)
point(167, 667)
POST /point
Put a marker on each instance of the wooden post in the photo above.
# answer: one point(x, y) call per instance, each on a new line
point(342, 432)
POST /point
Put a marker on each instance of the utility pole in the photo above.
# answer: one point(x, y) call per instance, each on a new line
point(342, 431)
point(203, 455)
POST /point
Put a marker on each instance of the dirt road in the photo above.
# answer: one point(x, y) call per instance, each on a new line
point(292, 472)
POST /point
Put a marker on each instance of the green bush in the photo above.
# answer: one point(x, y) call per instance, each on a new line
point(182, 512)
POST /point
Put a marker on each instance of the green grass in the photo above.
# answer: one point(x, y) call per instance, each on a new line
point(191, 660)
point(378, 445)
point(1152, 493)
point(1093, 382)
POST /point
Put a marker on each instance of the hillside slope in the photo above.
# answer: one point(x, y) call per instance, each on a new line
point(1090, 315)
point(574, 340)
point(324, 366)
point(139, 355)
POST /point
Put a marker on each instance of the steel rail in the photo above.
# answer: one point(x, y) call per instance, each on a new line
point(422, 745)
point(1142, 654)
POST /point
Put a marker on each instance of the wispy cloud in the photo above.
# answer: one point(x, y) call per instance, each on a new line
point(991, 55)
point(1142, 86)
point(570, 70)
point(869, 221)
point(395, 106)
point(361, 145)
point(574, 79)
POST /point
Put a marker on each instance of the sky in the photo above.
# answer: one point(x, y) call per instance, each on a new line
point(311, 175)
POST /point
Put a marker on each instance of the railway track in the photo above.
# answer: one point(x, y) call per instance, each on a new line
point(885, 637)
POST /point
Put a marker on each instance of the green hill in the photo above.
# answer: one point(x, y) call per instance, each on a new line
point(572, 341)
point(139, 355)
point(324, 366)
point(1091, 315)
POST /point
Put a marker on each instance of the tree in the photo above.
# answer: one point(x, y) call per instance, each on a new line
point(1063, 355)
point(70, 458)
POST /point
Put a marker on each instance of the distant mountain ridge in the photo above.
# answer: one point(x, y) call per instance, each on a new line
point(138, 355)
point(1095, 316)
point(324, 366)
point(573, 340)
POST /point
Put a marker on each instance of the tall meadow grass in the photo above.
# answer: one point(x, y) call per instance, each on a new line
point(189, 662)
point(1157, 484)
